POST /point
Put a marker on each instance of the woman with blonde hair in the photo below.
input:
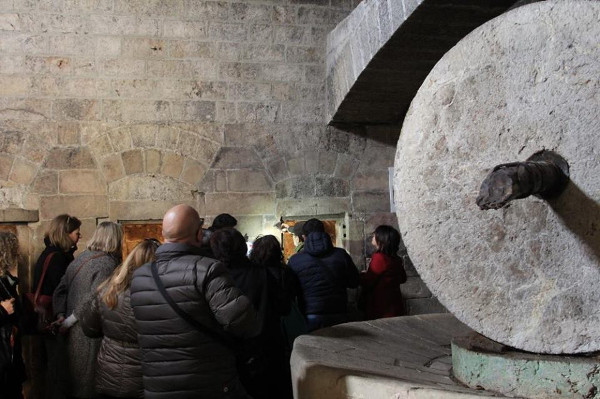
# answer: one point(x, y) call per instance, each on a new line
point(61, 240)
point(12, 369)
point(109, 314)
point(81, 280)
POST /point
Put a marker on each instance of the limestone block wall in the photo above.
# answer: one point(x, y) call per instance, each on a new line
point(119, 109)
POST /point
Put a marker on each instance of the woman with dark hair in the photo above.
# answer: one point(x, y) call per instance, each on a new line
point(80, 282)
point(222, 221)
point(61, 243)
point(12, 369)
point(229, 246)
point(281, 290)
point(109, 315)
point(381, 282)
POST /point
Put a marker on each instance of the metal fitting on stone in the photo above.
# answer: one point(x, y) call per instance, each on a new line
point(544, 174)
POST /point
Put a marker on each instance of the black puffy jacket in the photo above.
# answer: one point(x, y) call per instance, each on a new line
point(323, 291)
point(119, 367)
point(179, 361)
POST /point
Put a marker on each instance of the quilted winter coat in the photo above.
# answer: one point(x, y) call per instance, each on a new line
point(119, 367)
point(178, 360)
point(324, 273)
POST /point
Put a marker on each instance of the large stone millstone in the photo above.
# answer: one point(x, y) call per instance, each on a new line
point(527, 276)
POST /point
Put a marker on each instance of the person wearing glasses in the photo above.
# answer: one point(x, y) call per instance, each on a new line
point(12, 369)
point(81, 280)
point(109, 315)
point(61, 240)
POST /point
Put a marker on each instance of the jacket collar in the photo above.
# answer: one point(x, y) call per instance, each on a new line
point(174, 249)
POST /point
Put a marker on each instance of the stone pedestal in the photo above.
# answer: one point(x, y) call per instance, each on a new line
point(481, 363)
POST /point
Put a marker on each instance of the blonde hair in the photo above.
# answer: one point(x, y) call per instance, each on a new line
point(59, 230)
point(120, 280)
point(9, 251)
point(107, 238)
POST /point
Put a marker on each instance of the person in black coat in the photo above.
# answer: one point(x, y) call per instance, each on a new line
point(281, 289)
point(324, 273)
point(12, 369)
point(179, 359)
point(229, 246)
point(61, 243)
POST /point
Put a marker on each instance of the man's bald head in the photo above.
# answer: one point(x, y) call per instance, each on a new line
point(182, 224)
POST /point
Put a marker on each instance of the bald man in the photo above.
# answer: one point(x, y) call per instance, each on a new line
point(178, 359)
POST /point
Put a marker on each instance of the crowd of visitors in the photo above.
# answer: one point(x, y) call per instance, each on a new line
point(194, 316)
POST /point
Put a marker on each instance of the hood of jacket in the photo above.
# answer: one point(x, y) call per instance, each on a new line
point(318, 244)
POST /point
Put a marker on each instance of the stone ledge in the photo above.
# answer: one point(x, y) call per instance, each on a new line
point(402, 357)
point(16, 215)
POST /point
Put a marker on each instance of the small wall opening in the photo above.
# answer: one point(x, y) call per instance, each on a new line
point(335, 226)
point(136, 231)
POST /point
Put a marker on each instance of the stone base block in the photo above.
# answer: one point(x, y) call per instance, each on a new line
point(481, 363)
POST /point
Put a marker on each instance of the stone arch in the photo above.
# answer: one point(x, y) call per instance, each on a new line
point(42, 162)
point(23, 148)
point(150, 167)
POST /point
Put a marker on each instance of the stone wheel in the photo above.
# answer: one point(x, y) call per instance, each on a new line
point(528, 275)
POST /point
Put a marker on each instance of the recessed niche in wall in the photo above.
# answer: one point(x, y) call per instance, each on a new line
point(136, 231)
point(335, 226)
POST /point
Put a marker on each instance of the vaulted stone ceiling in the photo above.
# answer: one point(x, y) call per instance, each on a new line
point(378, 57)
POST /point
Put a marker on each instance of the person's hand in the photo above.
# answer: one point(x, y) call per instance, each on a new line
point(67, 323)
point(9, 305)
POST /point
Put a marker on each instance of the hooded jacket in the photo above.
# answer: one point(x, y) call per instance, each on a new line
point(324, 272)
point(178, 360)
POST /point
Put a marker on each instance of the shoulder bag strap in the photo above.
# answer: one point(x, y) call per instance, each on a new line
point(185, 316)
point(39, 287)
point(83, 263)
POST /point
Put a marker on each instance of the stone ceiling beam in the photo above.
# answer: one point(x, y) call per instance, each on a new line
point(378, 57)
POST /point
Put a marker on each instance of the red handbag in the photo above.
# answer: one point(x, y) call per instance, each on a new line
point(38, 316)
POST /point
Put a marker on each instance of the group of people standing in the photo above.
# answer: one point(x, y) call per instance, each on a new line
point(189, 317)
